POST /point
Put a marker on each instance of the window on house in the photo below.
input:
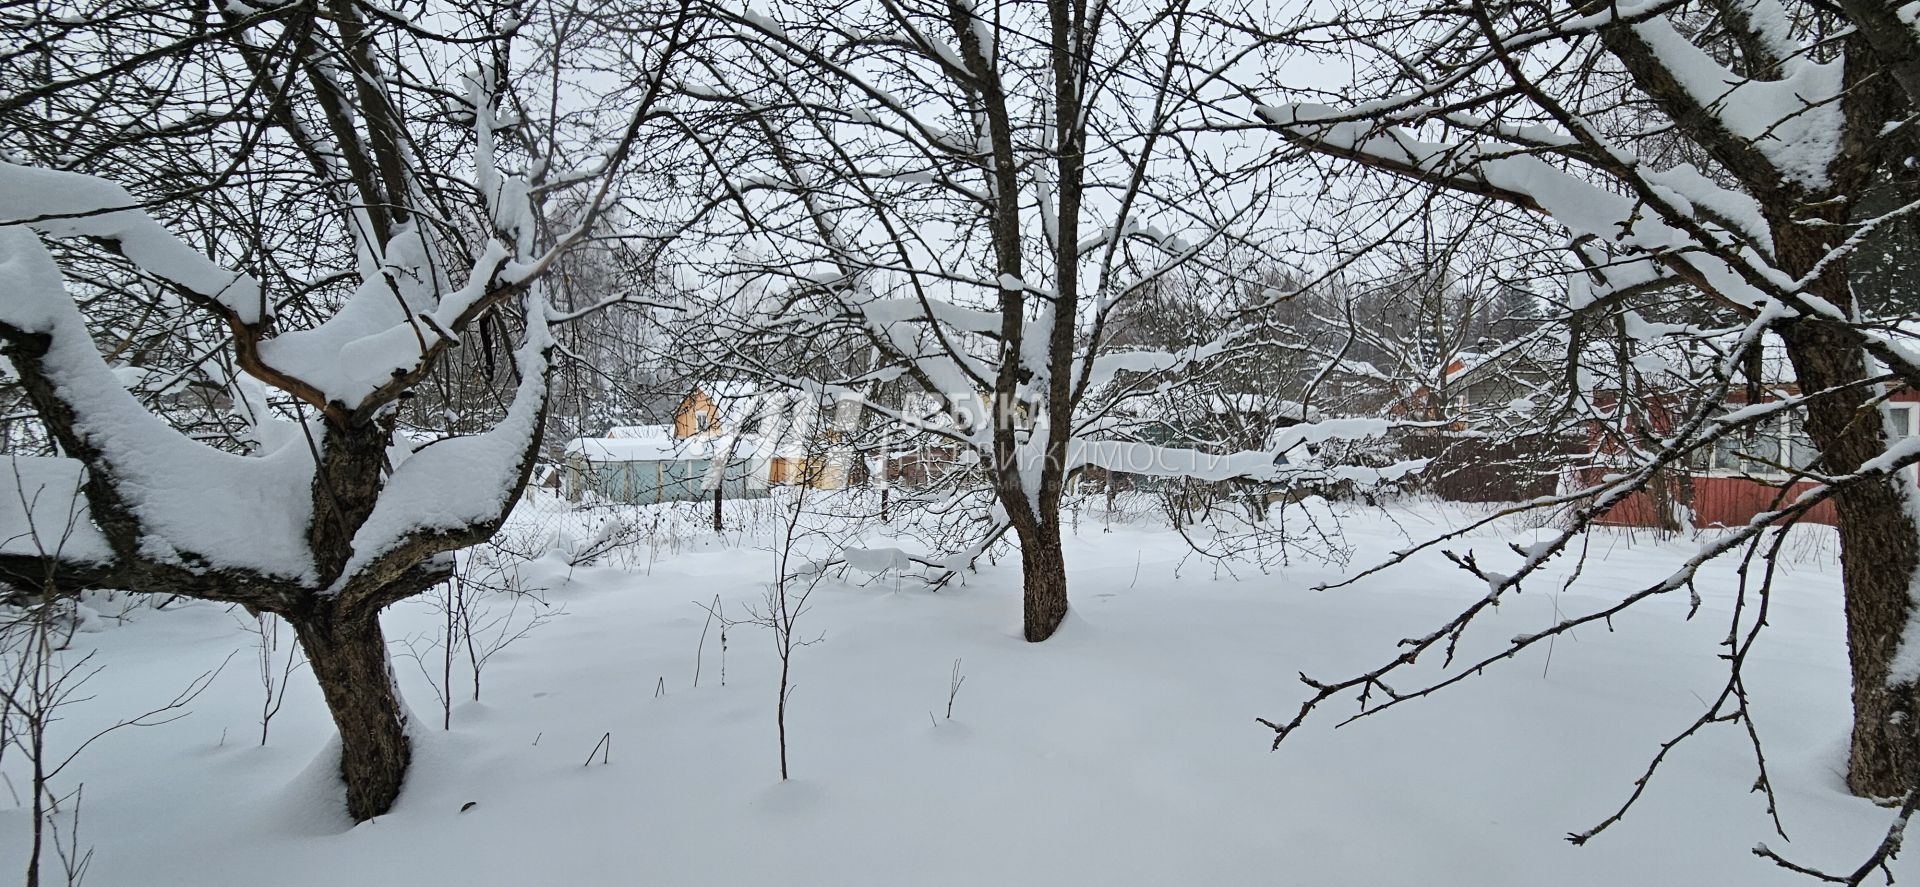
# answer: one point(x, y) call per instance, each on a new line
point(1800, 452)
point(1900, 423)
point(1772, 448)
point(1903, 421)
point(702, 419)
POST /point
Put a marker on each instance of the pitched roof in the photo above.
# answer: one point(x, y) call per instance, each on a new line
point(763, 408)
point(733, 447)
point(617, 449)
point(738, 401)
point(1262, 404)
point(640, 432)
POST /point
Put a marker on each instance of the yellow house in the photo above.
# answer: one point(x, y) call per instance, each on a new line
point(770, 417)
point(698, 414)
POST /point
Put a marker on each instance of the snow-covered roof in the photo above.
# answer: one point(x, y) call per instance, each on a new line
point(1262, 404)
point(629, 449)
point(640, 432)
point(729, 396)
point(1679, 361)
point(740, 446)
point(740, 402)
point(764, 409)
point(1517, 357)
point(1466, 362)
point(729, 389)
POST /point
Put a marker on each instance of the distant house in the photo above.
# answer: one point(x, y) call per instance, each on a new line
point(735, 435)
point(640, 432)
point(921, 454)
point(646, 469)
point(1745, 473)
point(1474, 387)
point(801, 437)
point(1471, 420)
point(926, 465)
point(1751, 472)
point(726, 407)
point(1244, 409)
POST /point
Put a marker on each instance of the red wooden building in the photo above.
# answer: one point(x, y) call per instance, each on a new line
point(1745, 474)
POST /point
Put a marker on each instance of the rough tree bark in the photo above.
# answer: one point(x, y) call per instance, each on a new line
point(1032, 501)
point(349, 659)
point(1879, 539)
point(309, 82)
point(1044, 570)
point(1879, 550)
point(346, 487)
point(339, 628)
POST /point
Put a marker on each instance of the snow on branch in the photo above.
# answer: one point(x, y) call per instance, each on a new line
point(172, 499)
point(68, 204)
point(1794, 121)
point(457, 486)
point(43, 512)
point(1271, 464)
point(1586, 210)
point(391, 324)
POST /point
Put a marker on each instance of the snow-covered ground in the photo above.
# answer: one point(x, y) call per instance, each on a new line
point(1122, 752)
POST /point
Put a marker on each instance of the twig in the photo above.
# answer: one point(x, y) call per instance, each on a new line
point(953, 687)
point(606, 743)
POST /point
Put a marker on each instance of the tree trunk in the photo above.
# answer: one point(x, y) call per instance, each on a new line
point(1663, 494)
point(1879, 550)
point(346, 486)
point(349, 658)
point(1044, 573)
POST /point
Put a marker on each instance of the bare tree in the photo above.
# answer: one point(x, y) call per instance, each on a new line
point(336, 211)
point(785, 602)
point(1713, 155)
point(956, 200)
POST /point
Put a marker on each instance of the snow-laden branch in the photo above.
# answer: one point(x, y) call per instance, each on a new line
point(448, 489)
point(156, 504)
point(68, 204)
point(43, 511)
point(1282, 460)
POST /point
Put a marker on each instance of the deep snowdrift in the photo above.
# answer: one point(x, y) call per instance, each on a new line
point(1122, 752)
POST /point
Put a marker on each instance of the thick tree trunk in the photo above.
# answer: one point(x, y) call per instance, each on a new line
point(346, 487)
point(1044, 575)
point(349, 658)
point(1879, 550)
